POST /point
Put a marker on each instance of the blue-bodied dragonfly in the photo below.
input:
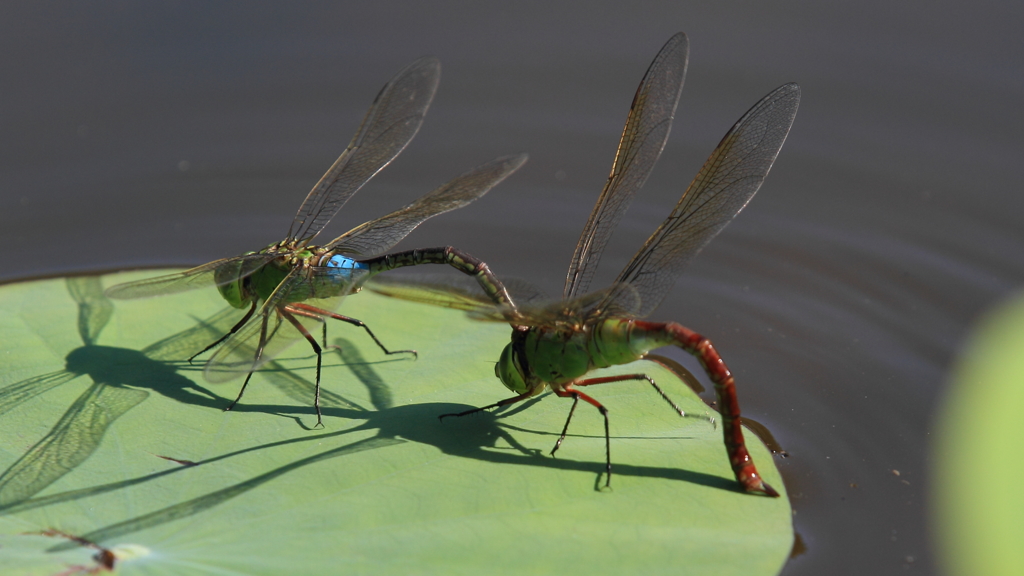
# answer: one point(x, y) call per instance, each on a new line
point(292, 286)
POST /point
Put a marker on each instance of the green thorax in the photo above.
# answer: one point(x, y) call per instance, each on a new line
point(261, 284)
point(557, 355)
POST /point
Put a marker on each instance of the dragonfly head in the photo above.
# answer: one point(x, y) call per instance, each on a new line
point(510, 372)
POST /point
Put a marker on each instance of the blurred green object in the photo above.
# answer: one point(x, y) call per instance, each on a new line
point(109, 437)
point(978, 503)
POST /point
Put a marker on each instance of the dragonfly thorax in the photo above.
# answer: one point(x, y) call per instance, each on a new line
point(540, 355)
point(290, 258)
point(555, 355)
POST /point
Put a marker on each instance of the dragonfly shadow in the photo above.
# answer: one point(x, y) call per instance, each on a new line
point(380, 394)
point(122, 376)
point(121, 367)
point(475, 438)
point(121, 379)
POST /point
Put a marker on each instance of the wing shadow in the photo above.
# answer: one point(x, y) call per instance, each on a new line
point(121, 379)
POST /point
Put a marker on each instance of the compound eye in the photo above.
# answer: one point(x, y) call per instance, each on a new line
point(233, 292)
point(508, 371)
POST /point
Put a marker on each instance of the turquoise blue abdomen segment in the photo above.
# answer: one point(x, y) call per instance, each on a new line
point(344, 262)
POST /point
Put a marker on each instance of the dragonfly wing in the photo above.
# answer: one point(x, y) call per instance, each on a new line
point(533, 308)
point(619, 299)
point(236, 357)
point(643, 138)
point(436, 290)
point(521, 291)
point(188, 341)
point(389, 125)
point(380, 235)
point(724, 185)
point(214, 273)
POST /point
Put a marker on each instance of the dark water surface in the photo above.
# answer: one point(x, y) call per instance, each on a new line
point(177, 134)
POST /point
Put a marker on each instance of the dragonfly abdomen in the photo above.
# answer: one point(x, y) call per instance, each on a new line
point(725, 391)
point(615, 341)
point(461, 261)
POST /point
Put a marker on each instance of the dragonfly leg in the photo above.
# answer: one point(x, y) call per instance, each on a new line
point(319, 357)
point(234, 329)
point(728, 403)
point(255, 360)
point(607, 379)
point(568, 391)
point(504, 402)
point(312, 311)
point(561, 437)
point(678, 369)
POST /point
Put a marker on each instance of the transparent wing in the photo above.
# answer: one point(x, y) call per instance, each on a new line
point(458, 292)
point(237, 355)
point(303, 288)
point(616, 300)
point(533, 308)
point(724, 185)
point(643, 138)
point(389, 125)
point(440, 294)
point(187, 342)
point(619, 299)
point(214, 273)
point(378, 236)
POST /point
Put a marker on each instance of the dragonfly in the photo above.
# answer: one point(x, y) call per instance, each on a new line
point(290, 287)
point(557, 345)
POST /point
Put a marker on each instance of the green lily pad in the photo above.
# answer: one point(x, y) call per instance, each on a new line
point(977, 499)
point(103, 425)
